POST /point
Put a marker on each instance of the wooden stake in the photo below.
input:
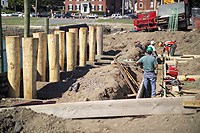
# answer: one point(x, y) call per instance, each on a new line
point(99, 40)
point(75, 30)
point(42, 55)
point(13, 64)
point(53, 48)
point(92, 43)
point(61, 35)
point(82, 46)
point(30, 48)
point(70, 51)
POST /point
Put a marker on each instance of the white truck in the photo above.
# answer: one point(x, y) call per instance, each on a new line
point(165, 11)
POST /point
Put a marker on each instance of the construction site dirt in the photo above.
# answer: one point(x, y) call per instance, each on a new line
point(104, 81)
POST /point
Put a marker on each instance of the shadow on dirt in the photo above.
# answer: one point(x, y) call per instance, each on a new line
point(47, 90)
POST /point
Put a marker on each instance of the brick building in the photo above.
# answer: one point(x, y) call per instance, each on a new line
point(88, 6)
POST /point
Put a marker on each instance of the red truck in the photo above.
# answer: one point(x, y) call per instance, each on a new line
point(145, 21)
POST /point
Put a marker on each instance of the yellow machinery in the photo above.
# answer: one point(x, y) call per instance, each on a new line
point(168, 1)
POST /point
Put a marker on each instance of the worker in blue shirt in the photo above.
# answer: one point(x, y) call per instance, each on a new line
point(150, 64)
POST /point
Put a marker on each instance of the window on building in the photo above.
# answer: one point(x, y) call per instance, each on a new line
point(70, 7)
point(93, 8)
point(100, 7)
point(70, 0)
point(92, 0)
point(77, 0)
point(140, 5)
point(100, 0)
point(77, 7)
point(151, 4)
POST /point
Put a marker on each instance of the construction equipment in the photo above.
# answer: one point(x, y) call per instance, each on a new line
point(161, 92)
point(145, 21)
point(168, 1)
point(173, 16)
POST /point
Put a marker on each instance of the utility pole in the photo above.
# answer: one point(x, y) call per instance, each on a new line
point(26, 18)
point(123, 7)
point(1, 46)
point(36, 7)
point(133, 4)
point(154, 5)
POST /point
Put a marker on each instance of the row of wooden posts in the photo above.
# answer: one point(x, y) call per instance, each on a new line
point(35, 56)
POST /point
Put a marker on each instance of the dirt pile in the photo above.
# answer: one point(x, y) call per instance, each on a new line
point(101, 83)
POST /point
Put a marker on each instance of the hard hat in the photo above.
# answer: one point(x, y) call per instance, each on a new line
point(152, 42)
point(170, 42)
point(149, 49)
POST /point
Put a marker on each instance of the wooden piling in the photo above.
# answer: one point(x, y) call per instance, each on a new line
point(13, 65)
point(82, 46)
point(61, 35)
point(47, 25)
point(75, 30)
point(92, 43)
point(70, 51)
point(41, 56)
point(99, 35)
point(53, 49)
point(30, 48)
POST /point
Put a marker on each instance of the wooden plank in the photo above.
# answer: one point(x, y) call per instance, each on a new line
point(115, 108)
point(181, 77)
point(191, 91)
point(104, 56)
point(191, 103)
point(183, 56)
point(125, 76)
point(141, 90)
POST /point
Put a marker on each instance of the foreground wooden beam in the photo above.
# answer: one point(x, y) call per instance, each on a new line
point(115, 108)
point(191, 103)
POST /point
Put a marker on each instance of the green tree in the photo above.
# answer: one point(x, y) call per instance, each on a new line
point(195, 3)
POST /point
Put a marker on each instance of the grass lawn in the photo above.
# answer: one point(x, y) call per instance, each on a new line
point(16, 21)
point(125, 21)
point(20, 21)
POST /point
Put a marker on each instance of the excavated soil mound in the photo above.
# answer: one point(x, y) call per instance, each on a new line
point(101, 83)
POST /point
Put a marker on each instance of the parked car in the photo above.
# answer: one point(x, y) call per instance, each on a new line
point(66, 15)
point(92, 16)
point(16, 14)
point(116, 16)
point(21, 15)
point(34, 14)
point(75, 15)
point(132, 15)
point(57, 15)
point(45, 14)
point(3, 14)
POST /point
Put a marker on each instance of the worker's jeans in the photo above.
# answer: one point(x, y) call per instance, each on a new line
point(149, 77)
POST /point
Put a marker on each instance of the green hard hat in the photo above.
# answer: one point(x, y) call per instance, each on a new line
point(149, 49)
